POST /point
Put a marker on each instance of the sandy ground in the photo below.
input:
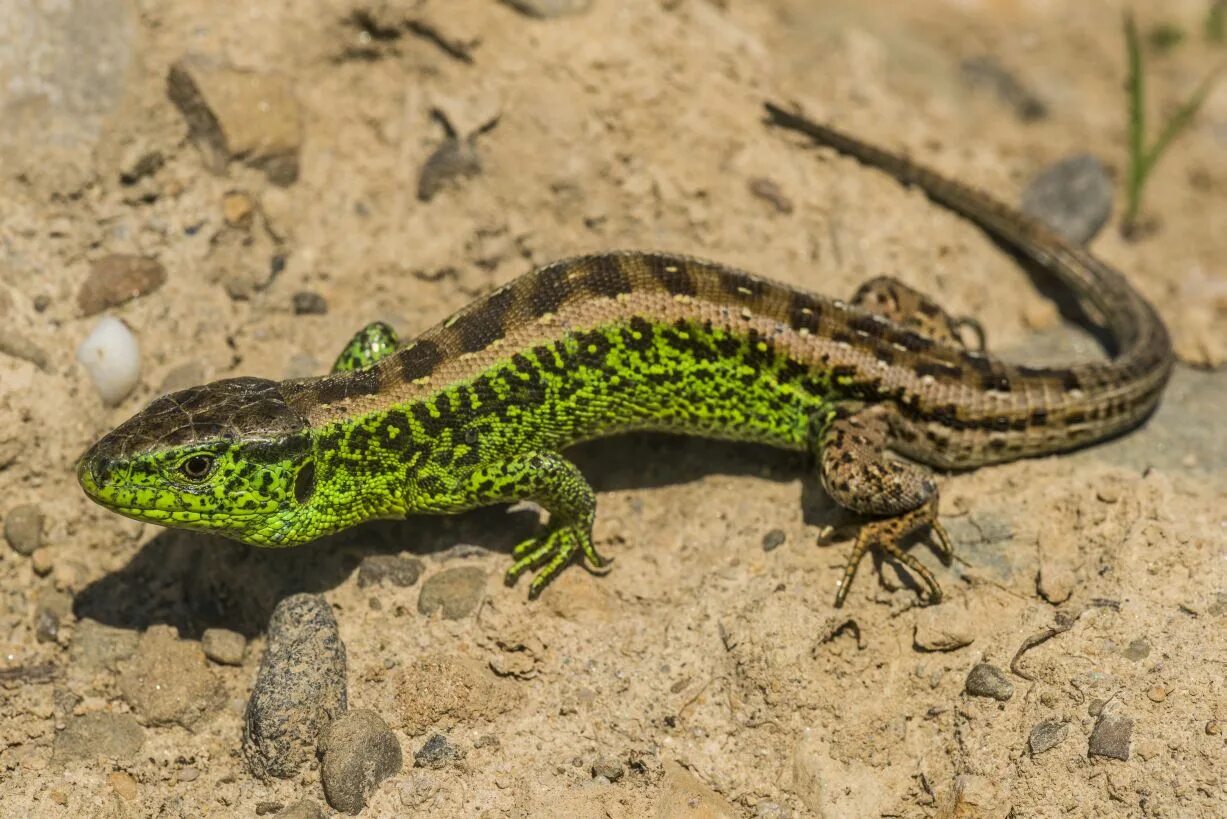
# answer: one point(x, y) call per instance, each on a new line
point(705, 675)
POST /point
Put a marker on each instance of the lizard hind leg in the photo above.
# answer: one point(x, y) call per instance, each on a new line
point(373, 342)
point(904, 305)
point(900, 497)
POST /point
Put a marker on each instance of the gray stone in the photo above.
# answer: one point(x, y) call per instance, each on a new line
point(23, 528)
point(437, 752)
point(116, 736)
point(545, 9)
point(986, 680)
point(1137, 650)
point(1111, 737)
point(168, 680)
point(116, 279)
point(773, 540)
point(609, 768)
point(243, 115)
point(1073, 196)
point(303, 809)
point(308, 303)
point(97, 648)
point(1046, 736)
point(300, 687)
point(399, 571)
point(223, 646)
point(359, 752)
point(455, 593)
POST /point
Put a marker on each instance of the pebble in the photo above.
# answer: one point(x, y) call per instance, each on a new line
point(1137, 650)
point(112, 357)
point(41, 302)
point(300, 687)
point(124, 785)
point(97, 648)
point(455, 592)
point(1111, 737)
point(189, 774)
point(303, 809)
point(237, 209)
point(985, 680)
point(1073, 196)
point(437, 752)
point(116, 279)
point(399, 571)
point(223, 646)
point(53, 606)
point(116, 736)
point(1157, 693)
point(359, 751)
point(942, 628)
point(1046, 736)
point(609, 768)
point(774, 540)
point(769, 191)
point(545, 9)
point(42, 561)
point(169, 681)
point(233, 114)
point(23, 528)
point(307, 303)
point(139, 161)
point(14, 343)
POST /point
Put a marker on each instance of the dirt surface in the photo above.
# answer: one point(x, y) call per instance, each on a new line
point(706, 675)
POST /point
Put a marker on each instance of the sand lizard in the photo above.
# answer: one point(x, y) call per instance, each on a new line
point(478, 409)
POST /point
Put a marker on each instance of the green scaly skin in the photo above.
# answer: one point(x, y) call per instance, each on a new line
point(478, 409)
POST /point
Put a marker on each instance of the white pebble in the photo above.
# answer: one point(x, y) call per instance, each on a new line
point(112, 357)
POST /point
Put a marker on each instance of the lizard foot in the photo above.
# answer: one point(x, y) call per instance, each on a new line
point(887, 536)
point(550, 553)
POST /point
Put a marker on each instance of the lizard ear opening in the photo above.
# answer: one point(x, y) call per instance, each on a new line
point(304, 483)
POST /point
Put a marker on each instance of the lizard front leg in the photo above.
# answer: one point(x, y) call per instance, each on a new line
point(859, 474)
point(373, 342)
point(555, 483)
point(908, 307)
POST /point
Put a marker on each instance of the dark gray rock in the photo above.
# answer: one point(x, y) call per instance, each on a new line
point(455, 593)
point(359, 752)
point(985, 680)
point(308, 303)
point(774, 540)
point(1046, 736)
point(1073, 196)
point(399, 571)
point(223, 646)
point(117, 736)
point(437, 752)
point(300, 687)
point(1111, 737)
point(23, 528)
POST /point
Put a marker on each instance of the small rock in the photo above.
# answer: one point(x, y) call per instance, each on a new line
point(988, 73)
point(985, 680)
point(112, 357)
point(266, 807)
point(237, 209)
point(244, 115)
point(1046, 736)
point(453, 592)
point(1111, 737)
point(1073, 196)
point(1157, 693)
point(41, 302)
point(98, 649)
point(189, 774)
point(300, 687)
point(124, 785)
point(14, 343)
point(53, 606)
point(942, 628)
point(1055, 580)
point(116, 279)
point(359, 751)
point(304, 809)
point(23, 528)
point(545, 9)
point(437, 752)
point(1137, 650)
point(307, 303)
point(42, 561)
point(116, 736)
point(139, 161)
point(169, 681)
point(455, 159)
point(223, 646)
point(609, 768)
point(399, 571)
point(769, 191)
point(774, 540)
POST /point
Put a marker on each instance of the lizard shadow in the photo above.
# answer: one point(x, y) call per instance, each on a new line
point(195, 581)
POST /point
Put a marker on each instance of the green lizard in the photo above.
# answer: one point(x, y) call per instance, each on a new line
point(478, 409)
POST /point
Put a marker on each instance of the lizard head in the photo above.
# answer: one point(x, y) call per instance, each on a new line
point(232, 457)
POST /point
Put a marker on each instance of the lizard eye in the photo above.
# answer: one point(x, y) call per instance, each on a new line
point(197, 467)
